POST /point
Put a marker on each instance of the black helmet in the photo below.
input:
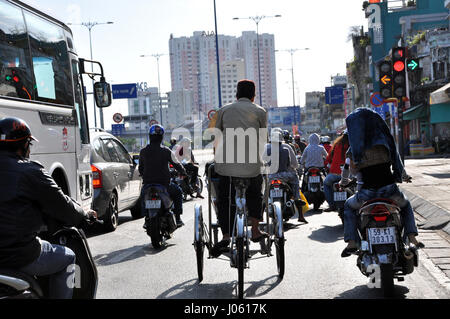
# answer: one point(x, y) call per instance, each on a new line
point(14, 130)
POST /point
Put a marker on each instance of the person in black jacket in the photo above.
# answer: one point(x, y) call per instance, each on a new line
point(28, 195)
point(154, 168)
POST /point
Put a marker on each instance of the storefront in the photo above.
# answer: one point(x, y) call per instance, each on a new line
point(440, 113)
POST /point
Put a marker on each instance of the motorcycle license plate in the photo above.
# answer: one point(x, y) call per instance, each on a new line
point(340, 196)
point(382, 236)
point(276, 193)
point(152, 204)
point(314, 179)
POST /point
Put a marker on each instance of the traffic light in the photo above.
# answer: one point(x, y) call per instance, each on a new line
point(386, 79)
point(399, 72)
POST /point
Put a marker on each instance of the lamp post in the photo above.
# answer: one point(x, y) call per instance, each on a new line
point(292, 51)
point(219, 88)
point(257, 20)
point(90, 25)
point(158, 56)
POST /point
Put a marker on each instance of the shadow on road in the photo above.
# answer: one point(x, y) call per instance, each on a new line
point(440, 176)
point(98, 230)
point(328, 234)
point(192, 289)
point(363, 292)
point(132, 253)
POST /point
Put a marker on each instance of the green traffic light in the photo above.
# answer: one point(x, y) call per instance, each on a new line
point(412, 65)
point(8, 78)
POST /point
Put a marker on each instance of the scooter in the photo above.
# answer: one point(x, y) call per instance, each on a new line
point(281, 192)
point(341, 194)
point(313, 182)
point(17, 285)
point(160, 222)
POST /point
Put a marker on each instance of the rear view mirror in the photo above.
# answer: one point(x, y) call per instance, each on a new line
point(136, 159)
point(102, 91)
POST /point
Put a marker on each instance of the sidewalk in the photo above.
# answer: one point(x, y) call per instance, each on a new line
point(429, 192)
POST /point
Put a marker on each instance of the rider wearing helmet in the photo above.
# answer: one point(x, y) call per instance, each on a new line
point(173, 143)
point(185, 156)
point(288, 140)
point(154, 162)
point(28, 195)
point(326, 143)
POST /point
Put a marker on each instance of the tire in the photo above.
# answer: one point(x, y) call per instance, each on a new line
point(200, 186)
point(240, 265)
point(387, 280)
point(155, 233)
point(136, 210)
point(111, 219)
point(279, 248)
point(199, 252)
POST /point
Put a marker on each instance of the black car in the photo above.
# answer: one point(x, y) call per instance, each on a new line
point(117, 184)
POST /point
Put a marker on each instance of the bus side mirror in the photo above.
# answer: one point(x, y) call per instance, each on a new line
point(102, 91)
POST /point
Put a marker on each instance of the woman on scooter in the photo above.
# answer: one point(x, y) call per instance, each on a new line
point(335, 161)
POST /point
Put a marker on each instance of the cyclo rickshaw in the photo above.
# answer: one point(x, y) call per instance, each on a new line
point(239, 254)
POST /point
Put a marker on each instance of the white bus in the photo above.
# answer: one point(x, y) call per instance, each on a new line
point(41, 83)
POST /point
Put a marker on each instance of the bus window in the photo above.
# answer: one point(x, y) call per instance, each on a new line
point(79, 104)
point(15, 71)
point(51, 64)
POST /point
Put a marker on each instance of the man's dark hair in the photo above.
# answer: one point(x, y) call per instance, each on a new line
point(247, 89)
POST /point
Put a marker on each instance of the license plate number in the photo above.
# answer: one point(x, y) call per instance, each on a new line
point(314, 179)
point(340, 196)
point(276, 193)
point(152, 204)
point(382, 236)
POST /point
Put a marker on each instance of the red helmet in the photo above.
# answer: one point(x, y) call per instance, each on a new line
point(14, 130)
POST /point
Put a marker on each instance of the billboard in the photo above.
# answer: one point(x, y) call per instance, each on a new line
point(284, 116)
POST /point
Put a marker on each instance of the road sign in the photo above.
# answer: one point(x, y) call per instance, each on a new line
point(334, 95)
point(211, 114)
point(124, 91)
point(118, 129)
point(376, 99)
point(118, 118)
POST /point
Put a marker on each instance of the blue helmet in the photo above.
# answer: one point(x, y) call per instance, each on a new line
point(156, 130)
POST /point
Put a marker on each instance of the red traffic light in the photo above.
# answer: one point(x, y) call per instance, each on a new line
point(399, 66)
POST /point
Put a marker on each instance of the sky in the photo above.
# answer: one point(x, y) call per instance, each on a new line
point(143, 27)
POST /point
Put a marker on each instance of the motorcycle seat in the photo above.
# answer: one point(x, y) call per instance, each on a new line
point(20, 281)
point(379, 200)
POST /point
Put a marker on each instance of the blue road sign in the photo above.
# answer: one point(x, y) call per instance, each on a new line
point(118, 129)
point(334, 95)
point(124, 91)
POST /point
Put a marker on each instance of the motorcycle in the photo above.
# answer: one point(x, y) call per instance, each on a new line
point(383, 254)
point(187, 183)
point(341, 194)
point(313, 187)
point(17, 285)
point(281, 192)
point(160, 222)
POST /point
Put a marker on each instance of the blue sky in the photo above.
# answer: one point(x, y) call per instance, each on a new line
point(144, 27)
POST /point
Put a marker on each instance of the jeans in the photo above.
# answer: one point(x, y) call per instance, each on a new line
point(58, 262)
point(354, 203)
point(176, 194)
point(328, 188)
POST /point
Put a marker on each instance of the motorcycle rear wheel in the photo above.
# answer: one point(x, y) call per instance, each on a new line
point(279, 247)
point(387, 280)
point(155, 233)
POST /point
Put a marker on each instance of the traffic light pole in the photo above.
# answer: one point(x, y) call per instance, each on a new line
point(401, 139)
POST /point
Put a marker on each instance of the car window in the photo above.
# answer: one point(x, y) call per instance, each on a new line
point(99, 149)
point(122, 152)
point(111, 149)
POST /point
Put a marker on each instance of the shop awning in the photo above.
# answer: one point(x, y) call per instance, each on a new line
point(440, 113)
point(440, 96)
point(415, 113)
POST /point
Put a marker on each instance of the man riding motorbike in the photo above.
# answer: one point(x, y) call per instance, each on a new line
point(28, 196)
point(335, 160)
point(185, 156)
point(289, 141)
point(154, 168)
point(286, 165)
point(373, 153)
point(313, 156)
point(325, 141)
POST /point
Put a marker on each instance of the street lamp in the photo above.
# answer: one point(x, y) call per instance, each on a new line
point(292, 51)
point(257, 20)
point(91, 25)
point(158, 56)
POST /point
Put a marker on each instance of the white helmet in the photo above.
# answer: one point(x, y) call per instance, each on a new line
point(276, 136)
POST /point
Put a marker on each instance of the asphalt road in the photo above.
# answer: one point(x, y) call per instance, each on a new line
point(129, 267)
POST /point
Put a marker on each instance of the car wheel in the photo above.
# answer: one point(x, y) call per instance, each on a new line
point(111, 219)
point(136, 210)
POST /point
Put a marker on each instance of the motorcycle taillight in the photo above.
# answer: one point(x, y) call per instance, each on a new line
point(314, 172)
point(380, 213)
point(276, 182)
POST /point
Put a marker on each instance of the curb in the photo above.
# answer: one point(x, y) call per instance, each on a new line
point(436, 217)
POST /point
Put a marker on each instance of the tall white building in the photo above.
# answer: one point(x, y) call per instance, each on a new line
point(193, 66)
